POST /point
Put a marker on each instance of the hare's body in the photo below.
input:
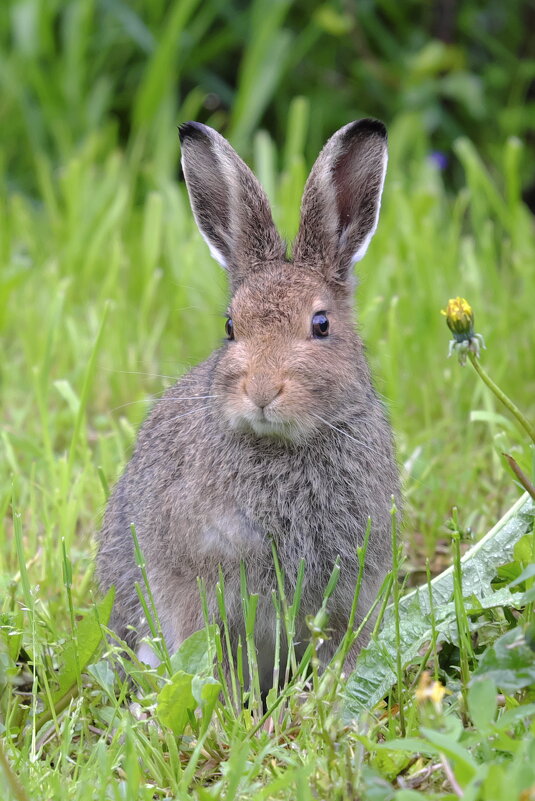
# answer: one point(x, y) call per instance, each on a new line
point(278, 436)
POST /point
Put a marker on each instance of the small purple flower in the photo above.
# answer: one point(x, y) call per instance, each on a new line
point(439, 159)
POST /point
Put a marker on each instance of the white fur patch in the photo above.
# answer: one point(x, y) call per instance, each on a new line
point(361, 251)
point(214, 252)
point(146, 654)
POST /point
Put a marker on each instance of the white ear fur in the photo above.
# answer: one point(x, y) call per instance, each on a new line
point(229, 205)
point(341, 200)
point(214, 252)
point(363, 247)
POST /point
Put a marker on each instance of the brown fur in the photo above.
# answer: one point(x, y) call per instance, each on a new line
point(278, 434)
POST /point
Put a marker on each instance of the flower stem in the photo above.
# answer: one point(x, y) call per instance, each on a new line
point(515, 411)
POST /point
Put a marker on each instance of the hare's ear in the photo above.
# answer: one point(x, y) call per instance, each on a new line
point(230, 207)
point(341, 201)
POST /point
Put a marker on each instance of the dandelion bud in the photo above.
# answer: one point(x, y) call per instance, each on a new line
point(460, 319)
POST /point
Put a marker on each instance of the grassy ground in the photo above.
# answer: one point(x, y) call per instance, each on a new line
point(107, 294)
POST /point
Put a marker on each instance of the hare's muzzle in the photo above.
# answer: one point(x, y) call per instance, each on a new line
point(262, 390)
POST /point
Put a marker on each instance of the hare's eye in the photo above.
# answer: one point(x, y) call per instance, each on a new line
point(320, 325)
point(229, 328)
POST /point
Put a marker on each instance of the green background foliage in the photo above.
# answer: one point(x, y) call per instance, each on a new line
point(108, 293)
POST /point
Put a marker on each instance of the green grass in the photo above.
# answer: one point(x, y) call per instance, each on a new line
point(107, 294)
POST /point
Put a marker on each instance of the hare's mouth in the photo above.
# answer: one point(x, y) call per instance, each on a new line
point(269, 428)
point(265, 424)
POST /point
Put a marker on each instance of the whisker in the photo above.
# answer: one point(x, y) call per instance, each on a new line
point(191, 397)
point(341, 431)
point(180, 416)
point(157, 397)
point(138, 372)
point(147, 399)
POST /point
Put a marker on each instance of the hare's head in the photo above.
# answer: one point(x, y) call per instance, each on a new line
point(293, 361)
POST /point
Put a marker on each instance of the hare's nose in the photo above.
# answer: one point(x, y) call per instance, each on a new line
point(262, 390)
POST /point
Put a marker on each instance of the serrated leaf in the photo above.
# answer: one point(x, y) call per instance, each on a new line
point(175, 701)
point(503, 597)
point(374, 674)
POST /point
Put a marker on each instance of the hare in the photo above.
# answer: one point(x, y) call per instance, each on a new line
point(279, 434)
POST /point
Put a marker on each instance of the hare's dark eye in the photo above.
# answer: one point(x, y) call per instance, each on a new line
point(320, 325)
point(229, 328)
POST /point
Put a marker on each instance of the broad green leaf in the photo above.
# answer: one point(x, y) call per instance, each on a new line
point(11, 628)
point(206, 794)
point(174, 702)
point(509, 662)
point(512, 716)
point(465, 766)
point(482, 702)
point(79, 652)
point(523, 550)
point(527, 573)
point(415, 745)
point(194, 654)
point(374, 674)
point(391, 762)
point(206, 692)
point(103, 674)
point(480, 562)
point(409, 795)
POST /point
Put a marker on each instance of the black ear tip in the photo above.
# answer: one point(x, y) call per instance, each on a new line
point(191, 130)
point(368, 127)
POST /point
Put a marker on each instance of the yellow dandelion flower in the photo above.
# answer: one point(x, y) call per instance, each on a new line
point(429, 690)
